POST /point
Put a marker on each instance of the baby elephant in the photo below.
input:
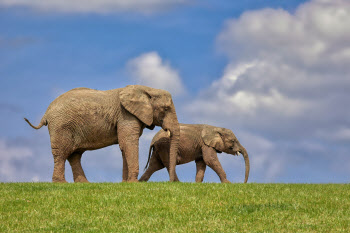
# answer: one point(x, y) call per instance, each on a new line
point(199, 143)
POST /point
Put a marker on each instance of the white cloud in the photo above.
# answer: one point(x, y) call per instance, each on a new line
point(242, 90)
point(232, 73)
point(9, 155)
point(341, 134)
point(316, 34)
point(35, 179)
point(96, 6)
point(150, 70)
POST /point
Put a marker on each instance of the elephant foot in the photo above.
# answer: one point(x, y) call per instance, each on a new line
point(55, 180)
point(174, 181)
point(143, 179)
point(81, 179)
point(133, 181)
point(226, 181)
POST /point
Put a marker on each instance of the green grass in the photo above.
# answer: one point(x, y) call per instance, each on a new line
point(174, 207)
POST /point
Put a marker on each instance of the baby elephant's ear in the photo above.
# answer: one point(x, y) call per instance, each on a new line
point(138, 103)
point(212, 137)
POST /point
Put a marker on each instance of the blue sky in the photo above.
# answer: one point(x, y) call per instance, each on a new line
point(274, 72)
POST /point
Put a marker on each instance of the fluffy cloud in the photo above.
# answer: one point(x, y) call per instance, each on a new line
point(96, 6)
point(244, 90)
point(9, 157)
point(287, 80)
point(149, 69)
point(315, 35)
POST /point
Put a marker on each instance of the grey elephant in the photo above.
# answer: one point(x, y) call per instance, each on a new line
point(200, 143)
point(85, 119)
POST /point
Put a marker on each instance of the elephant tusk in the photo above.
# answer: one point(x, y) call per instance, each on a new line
point(169, 133)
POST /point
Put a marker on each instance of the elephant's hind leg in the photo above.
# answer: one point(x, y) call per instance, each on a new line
point(60, 158)
point(78, 172)
point(154, 166)
point(200, 165)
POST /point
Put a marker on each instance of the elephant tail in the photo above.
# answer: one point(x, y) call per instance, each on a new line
point(42, 122)
point(149, 155)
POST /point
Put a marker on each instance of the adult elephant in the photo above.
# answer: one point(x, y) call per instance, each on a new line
point(86, 119)
point(199, 143)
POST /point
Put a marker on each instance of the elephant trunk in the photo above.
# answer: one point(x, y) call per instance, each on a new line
point(171, 124)
point(174, 144)
point(247, 165)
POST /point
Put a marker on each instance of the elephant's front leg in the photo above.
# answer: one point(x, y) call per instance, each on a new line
point(125, 168)
point(168, 168)
point(128, 137)
point(200, 165)
point(176, 179)
point(165, 160)
point(211, 159)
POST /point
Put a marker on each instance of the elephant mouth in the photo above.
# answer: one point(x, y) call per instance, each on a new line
point(237, 153)
point(168, 132)
point(234, 151)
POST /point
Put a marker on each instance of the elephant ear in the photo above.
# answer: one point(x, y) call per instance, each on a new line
point(138, 103)
point(212, 137)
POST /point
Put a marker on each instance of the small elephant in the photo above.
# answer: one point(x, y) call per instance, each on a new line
point(85, 119)
point(199, 143)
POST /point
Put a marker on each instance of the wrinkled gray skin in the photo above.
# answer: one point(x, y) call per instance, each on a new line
point(199, 143)
point(85, 119)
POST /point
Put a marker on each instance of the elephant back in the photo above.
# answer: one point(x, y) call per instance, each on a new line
point(160, 137)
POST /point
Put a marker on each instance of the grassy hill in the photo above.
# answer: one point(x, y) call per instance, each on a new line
point(174, 207)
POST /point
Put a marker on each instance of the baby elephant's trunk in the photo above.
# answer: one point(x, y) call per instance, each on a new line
point(247, 165)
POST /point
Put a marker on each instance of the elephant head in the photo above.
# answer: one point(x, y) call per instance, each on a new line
point(154, 107)
point(224, 140)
